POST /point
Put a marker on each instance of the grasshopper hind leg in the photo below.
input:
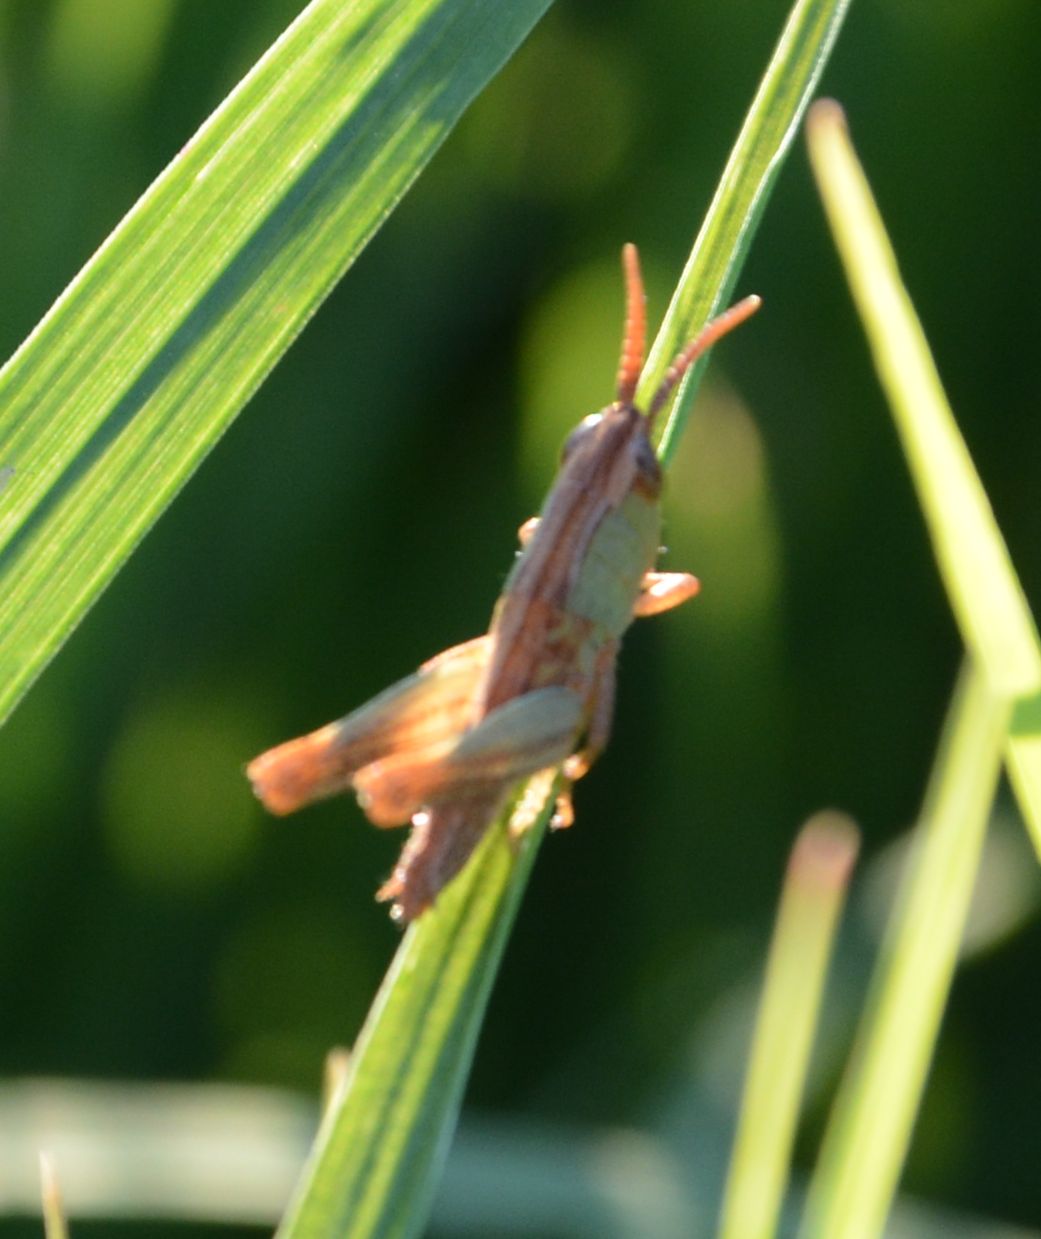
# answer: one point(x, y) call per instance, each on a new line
point(455, 798)
point(442, 840)
point(528, 733)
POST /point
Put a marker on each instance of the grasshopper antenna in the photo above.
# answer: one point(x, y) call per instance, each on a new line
point(635, 326)
point(706, 337)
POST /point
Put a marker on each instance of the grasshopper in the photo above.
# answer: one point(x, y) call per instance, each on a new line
point(444, 747)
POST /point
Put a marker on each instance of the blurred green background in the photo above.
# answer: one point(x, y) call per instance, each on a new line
point(360, 516)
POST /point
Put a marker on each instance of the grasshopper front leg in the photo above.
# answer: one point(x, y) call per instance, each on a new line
point(527, 530)
point(661, 591)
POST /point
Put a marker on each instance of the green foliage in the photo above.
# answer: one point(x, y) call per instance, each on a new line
point(985, 594)
point(874, 1115)
point(867, 1140)
point(153, 924)
point(807, 920)
point(166, 333)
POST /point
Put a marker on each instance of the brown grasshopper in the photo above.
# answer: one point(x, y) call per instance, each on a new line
point(443, 748)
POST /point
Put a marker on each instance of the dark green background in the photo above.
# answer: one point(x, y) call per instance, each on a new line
point(154, 924)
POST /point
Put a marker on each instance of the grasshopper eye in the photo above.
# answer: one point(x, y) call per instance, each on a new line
point(584, 428)
point(648, 468)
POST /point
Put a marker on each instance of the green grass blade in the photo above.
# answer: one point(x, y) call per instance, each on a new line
point(382, 1138)
point(814, 892)
point(374, 1166)
point(758, 154)
point(985, 593)
point(870, 1129)
point(159, 341)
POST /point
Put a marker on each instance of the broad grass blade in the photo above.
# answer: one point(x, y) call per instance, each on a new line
point(163, 336)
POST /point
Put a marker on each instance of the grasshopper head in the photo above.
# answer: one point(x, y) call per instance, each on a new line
point(610, 452)
point(615, 438)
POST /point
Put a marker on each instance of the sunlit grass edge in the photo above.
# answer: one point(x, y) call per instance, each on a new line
point(866, 1140)
point(800, 951)
point(869, 1131)
point(981, 582)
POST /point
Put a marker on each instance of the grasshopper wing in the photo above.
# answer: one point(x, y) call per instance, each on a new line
point(431, 708)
